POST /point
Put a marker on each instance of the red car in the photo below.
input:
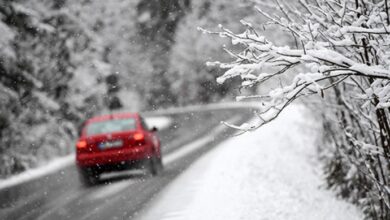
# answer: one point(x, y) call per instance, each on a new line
point(116, 142)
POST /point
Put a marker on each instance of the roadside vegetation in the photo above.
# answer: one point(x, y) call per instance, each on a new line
point(339, 62)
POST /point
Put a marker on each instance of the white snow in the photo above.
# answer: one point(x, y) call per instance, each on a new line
point(51, 167)
point(197, 144)
point(266, 174)
point(208, 107)
point(160, 122)
point(110, 189)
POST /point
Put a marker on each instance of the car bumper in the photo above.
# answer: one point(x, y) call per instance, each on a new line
point(109, 157)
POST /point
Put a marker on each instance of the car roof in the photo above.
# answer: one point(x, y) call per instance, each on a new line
point(106, 117)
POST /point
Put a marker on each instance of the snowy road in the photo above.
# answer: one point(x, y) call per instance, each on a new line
point(120, 196)
point(269, 174)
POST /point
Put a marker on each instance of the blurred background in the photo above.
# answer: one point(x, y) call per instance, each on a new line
point(65, 60)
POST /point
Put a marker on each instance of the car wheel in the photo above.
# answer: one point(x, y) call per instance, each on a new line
point(154, 165)
point(159, 164)
point(88, 177)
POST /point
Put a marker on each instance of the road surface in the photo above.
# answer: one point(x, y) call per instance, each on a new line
point(121, 195)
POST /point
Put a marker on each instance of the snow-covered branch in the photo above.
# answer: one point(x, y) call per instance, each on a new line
point(341, 54)
point(329, 48)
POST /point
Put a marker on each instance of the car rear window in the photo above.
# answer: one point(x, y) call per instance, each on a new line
point(110, 126)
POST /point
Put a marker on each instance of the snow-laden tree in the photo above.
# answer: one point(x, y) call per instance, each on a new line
point(191, 79)
point(115, 22)
point(51, 78)
point(157, 25)
point(341, 59)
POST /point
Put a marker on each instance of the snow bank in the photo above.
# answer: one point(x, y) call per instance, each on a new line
point(266, 174)
point(51, 167)
point(208, 107)
point(197, 144)
point(160, 122)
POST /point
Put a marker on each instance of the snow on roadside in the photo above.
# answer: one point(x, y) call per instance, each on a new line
point(160, 122)
point(35, 173)
point(208, 107)
point(266, 174)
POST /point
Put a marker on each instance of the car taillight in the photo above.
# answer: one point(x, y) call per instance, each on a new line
point(139, 137)
point(81, 144)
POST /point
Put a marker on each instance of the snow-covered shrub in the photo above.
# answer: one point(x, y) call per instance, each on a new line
point(341, 58)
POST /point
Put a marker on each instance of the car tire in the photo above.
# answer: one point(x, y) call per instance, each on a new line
point(160, 164)
point(88, 177)
point(154, 165)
